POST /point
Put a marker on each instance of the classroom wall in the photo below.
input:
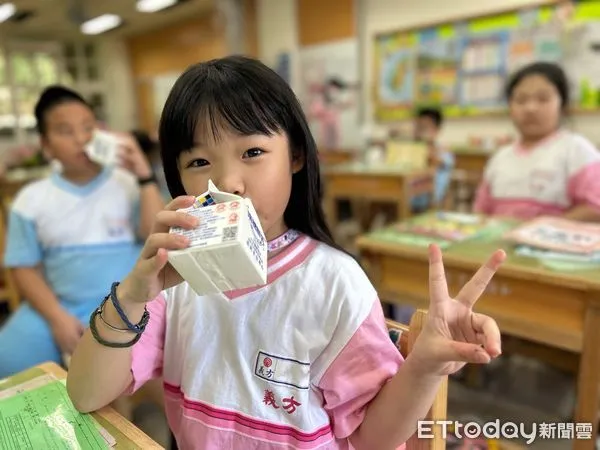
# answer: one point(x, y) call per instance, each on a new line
point(278, 32)
point(131, 64)
point(118, 86)
point(170, 50)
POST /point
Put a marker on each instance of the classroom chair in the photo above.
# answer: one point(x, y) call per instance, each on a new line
point(461, 191)
point(405, 336)
point(8, 290)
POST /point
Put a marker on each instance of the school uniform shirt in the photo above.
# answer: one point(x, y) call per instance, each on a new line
point(561, 172)
point(441, 181)
point(83, 236)
point(290, 365)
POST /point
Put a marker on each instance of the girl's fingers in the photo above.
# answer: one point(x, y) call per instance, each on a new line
point(167, 219)
point(183, 201)
point(477, 285)
point(170, 217)
point(438, 286)
point(166, 241)
point(466, 352)
point(155, 264)
point(488, 328)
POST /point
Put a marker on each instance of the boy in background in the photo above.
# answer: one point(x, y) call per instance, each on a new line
point(71, 234)
point(427, 128)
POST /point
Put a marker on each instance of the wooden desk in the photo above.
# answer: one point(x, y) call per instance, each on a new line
point(527, 300)
point(471, 159)
point(333, 157)
point(375, 183)
point(128, 436)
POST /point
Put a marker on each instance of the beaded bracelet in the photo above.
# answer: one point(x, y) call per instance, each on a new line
point(138, 328)
point(100, 340)
point(105, 322)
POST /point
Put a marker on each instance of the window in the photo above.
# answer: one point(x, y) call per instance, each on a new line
point(25, 69)
point(82, 71)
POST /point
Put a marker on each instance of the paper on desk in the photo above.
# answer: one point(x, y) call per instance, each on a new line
point(27, 386)
point(44, 417)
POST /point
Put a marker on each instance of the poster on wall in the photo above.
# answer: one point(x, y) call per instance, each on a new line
point(482, 70)
point(437, 70)
point(395, 61)
point(330, 93)
point(462, 67)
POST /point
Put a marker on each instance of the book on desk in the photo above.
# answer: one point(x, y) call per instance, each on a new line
point(557, 239)
point(38, 413)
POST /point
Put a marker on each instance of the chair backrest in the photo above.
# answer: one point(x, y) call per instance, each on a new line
point(405, 336)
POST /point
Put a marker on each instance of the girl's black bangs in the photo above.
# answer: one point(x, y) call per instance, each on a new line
point(206, 106)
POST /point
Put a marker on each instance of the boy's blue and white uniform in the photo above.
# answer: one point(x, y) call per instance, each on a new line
point(441, 182)
point(83, 238)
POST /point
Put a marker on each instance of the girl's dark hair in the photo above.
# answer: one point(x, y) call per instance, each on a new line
point(246, 96)
point(51, 97)
point(552, 72)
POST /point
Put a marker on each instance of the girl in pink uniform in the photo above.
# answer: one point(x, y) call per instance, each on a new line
point(303, 362)
point(550, 170)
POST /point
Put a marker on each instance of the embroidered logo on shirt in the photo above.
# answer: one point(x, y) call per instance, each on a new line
point(289, 404)
point(285, 371)
point(117, 227)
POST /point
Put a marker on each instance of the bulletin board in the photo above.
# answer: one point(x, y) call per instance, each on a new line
point(461, 67)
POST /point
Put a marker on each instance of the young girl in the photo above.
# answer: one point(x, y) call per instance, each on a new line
point(304, 361)
point(70, 234)
point(550, 171)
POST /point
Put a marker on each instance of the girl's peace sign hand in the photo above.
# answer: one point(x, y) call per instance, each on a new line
point(453, 334)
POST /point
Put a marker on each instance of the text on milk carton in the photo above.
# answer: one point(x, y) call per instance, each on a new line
point(256, 241)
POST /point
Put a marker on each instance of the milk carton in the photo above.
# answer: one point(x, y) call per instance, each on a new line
point(103, 148)
point(228, 250)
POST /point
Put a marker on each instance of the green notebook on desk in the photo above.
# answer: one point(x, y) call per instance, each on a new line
point(441, 228)
point(41, 416)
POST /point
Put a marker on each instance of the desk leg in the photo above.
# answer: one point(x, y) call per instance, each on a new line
point(404, 204)
point(588, 385)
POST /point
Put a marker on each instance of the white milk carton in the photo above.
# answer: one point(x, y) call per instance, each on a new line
point(228, 250)
point(103, 148)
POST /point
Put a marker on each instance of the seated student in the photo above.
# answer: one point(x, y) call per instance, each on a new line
point(304, 361)
point(549, 171)
point(70, 234)
point(427, 127)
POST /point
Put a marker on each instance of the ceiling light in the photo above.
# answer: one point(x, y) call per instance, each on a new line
point(7, 10)
point(150, 6)
point(100, 24)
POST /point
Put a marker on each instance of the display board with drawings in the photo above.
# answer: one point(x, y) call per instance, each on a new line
point(462, 67)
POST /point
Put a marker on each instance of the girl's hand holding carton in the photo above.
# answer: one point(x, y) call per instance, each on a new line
point(229, 249)
point(152, 273)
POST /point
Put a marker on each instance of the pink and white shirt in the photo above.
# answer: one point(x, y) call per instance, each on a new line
point(561, 172)
point(289, 365)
